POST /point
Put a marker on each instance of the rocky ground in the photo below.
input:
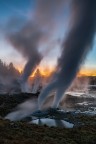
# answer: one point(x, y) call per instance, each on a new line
point(22, 132)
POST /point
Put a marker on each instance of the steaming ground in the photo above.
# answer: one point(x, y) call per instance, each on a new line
point(73, 101)
point(23, 110)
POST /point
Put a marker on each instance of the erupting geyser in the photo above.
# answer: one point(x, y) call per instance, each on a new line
point(26, 39)
point(74, 48)
point(75, 45)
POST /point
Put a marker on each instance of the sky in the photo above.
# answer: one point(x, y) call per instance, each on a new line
point(24, 10)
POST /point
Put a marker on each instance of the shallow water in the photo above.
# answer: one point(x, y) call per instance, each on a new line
point(52, 122)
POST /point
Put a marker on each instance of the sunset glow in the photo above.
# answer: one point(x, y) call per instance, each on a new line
point(87, 72)
point(45, 71)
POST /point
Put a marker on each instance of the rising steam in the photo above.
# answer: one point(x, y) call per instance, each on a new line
point(74, 48)
point(27, 38)
point(26, 42)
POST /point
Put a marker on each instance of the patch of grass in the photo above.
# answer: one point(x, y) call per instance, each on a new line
point(24, 133)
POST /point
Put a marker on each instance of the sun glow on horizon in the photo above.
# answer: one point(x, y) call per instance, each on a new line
point(47, 71)
point(87, 72)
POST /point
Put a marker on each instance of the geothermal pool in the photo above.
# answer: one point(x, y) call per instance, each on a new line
point(52, 122)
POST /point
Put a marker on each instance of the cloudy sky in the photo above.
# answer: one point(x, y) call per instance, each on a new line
point(23, 10)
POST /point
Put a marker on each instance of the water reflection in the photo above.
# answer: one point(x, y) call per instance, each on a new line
point(52, 122)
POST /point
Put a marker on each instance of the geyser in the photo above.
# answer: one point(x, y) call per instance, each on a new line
point(27, 38)
point(74, 48)
point(26, 41)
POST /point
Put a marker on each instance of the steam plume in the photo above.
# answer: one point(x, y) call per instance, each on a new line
point(74, 48)
point(26, 39)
